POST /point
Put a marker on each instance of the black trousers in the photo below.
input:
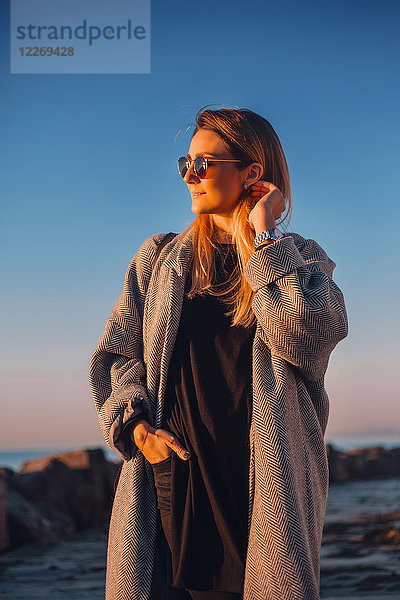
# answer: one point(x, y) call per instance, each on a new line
point(162, 480)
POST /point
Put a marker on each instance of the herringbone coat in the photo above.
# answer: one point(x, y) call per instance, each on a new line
point(301, 316)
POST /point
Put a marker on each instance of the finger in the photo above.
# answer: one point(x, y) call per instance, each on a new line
point(261, 191)
point(175, 445)
point(264, 189)
point(182, 452)
point(263, 184)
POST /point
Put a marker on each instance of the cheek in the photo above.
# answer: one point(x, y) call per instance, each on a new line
point(225, 186)
point(230, 188)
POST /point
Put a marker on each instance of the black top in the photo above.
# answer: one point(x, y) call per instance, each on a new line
point(208, 407)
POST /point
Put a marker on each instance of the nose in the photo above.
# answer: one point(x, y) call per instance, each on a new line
point(190, 175)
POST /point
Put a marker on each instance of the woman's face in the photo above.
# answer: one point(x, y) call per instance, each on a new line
point(219, 191)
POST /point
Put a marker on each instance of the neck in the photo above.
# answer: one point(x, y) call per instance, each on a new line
point(223, 228)
point(223, 223)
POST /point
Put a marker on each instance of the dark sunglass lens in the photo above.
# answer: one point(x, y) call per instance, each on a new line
point(200, 165)
point(182, 165)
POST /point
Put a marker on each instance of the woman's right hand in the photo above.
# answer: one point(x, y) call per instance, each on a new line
point(159, 443)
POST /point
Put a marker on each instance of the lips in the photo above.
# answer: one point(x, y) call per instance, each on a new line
point(197, 193)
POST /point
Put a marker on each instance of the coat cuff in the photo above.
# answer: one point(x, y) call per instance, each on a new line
point(126, 430)
point(272, 262)
point(119, 438)
point(138, 413)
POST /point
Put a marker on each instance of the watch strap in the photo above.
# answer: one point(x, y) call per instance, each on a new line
point(269, 234)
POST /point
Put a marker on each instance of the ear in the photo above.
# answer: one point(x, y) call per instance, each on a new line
point(253, 173)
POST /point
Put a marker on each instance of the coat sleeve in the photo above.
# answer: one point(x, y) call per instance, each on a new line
point(117, 373)
point(300, 308)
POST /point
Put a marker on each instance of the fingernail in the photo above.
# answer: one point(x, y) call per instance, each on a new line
point(186, 455)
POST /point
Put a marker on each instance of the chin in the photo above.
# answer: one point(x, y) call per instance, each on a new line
point(201, 211)
point(198, 210)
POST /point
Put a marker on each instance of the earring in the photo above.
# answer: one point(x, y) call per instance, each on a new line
point(245, 186)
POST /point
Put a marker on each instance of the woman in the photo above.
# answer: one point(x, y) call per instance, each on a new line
point(209, 383)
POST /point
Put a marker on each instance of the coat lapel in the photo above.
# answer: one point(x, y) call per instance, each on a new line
point(162, 312)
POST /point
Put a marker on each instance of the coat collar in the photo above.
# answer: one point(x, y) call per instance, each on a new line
point(180, 255)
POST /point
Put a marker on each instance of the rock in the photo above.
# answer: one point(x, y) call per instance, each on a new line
point(363, 463)
point(56, 495)
point(4, 537)
point(337, 467)
point(30, 522)
point(79, 484)
point(389, 536)
point(6, 473)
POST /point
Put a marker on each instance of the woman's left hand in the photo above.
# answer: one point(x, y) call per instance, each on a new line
point(270, 204)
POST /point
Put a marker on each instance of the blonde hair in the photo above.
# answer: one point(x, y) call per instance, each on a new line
point(249, 138)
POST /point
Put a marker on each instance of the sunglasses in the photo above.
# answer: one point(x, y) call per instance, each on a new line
point(200, 164)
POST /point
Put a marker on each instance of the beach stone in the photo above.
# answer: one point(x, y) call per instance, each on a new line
point(29, 522)
point(390, 536)
point(6, 473)
point(336, 462)
point(363, 463)
point(55, 495)
point(4, 536)
point(79, 484)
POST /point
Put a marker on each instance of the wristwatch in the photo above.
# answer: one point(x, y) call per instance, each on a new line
point(268, 234)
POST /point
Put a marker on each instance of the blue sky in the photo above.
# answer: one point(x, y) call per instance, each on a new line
point(89, 172)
